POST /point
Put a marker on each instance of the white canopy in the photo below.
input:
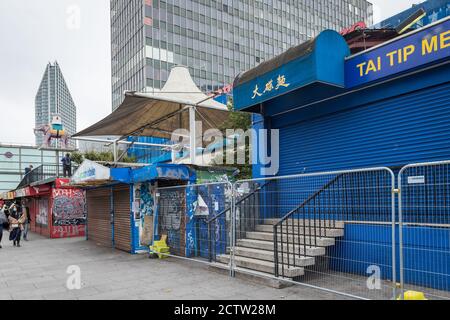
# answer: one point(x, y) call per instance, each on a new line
point(159, 114)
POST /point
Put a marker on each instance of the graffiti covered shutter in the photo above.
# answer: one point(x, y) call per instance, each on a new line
point(172, 221)
point(122, 221)
point(99, 216)
point(68, 213)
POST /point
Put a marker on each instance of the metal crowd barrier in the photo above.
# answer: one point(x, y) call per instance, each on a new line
point(424, 228)
point(337, 231)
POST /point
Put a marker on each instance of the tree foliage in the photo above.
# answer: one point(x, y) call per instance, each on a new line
point(236, 121)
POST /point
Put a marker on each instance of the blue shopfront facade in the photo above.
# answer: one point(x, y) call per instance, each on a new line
point(387, 106)
point(145, 210)
point(132, 207)
point(383, 115)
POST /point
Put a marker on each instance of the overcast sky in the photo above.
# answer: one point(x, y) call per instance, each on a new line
point(76, 34)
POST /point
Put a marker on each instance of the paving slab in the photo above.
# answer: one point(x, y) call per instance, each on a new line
point(38, 271)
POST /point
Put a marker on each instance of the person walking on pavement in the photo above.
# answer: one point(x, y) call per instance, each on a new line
point(26, 225)
point(67, 166)
point(3, 222)
point(16, 221)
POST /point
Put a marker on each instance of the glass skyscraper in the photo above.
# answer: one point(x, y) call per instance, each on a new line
point(216, 39)
point(54, 98)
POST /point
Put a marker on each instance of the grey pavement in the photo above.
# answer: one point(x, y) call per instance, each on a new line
point(37, 271)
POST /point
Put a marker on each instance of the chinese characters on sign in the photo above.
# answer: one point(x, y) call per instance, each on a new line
point(281, 82)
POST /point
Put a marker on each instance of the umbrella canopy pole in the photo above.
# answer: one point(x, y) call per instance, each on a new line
point(115, 151)
point(193, 134)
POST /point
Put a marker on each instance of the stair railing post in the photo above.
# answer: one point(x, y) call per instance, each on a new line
point(233, 230)
point(293, 241)
point(209, 242)
point(304, 232)
point(275, 249)
point(282, 249)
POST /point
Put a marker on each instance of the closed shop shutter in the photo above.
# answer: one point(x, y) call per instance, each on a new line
point(32, 215)
point(172, 218)
point(41, 216)
point(122, 220)
point(410, 128)
point(99, 216)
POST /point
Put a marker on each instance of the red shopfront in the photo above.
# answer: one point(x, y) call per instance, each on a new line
point(56, 211)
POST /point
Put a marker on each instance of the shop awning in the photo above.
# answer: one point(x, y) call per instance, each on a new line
point(318, 61)
point(159, 114)
point(161, 172)
point(91, 173)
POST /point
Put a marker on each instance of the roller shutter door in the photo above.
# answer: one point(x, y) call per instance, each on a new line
point(122, 220)
point(411, 128)
point(171, 218)
point(99, 216)
point(40, 216)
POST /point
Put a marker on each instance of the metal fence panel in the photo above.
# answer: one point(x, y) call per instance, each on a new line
point(424, 228)
point(331, 230)
point(336, 231)
point(197, 220)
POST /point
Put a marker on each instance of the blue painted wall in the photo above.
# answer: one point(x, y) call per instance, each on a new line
point(407, 128)
point(426, 261)
point(390, 132)
point(212, 194)
point(404, 119)
point(363, 246)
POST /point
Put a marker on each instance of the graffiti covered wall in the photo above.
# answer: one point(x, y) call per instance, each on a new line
point(143, 196)
point(68, 213)
point(172, 218)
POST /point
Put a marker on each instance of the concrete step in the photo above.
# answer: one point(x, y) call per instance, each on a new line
point(299, 239)
point(332, 233)
point(268, 245)
point(308, 222)
point(300, 261)
point(262, 266)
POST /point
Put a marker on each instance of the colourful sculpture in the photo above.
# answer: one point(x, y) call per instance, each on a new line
point(54, 130)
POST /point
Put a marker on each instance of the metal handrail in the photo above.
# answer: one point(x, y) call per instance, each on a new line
point(213, 219)
point(41, 173)
point(307, 201)
point(26, 179)
point(237, 203)
point(279, 224)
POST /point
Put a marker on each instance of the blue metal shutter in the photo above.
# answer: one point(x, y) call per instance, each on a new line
point(410, 128)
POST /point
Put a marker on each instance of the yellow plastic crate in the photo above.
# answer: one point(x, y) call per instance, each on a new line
point(160, 248)
point(161, 243)
point(162, 252)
